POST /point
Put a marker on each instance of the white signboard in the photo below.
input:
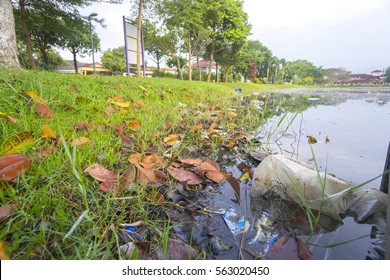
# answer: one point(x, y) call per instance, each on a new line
point(130, 32)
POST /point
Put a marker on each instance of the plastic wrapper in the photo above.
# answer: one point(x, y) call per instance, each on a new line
point(297, 181)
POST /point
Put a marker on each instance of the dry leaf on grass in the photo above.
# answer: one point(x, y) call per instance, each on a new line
point(47, 132)
point(44, 111)
point(7, 118)
point(11, 166)
point(6, 210)
point(80, 141)
point(18, 142)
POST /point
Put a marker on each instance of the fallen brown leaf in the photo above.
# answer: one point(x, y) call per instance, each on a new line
point(18, 142)
point(6, 210)
point(3, 253)
point(47, 132)
point(11, 166)
point(44, 111)
point(80, 141)
point(184, 176)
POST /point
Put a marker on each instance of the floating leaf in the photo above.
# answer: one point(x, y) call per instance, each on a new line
point(288, 248)
point(311, 140)
point(3, 253)
point(236, 187)
point(32, 96)
point(184, 176)
point(47, 132)
point(6, 210)
point(216, 176)
point(44, 111)
point(8, 118)
point(134, 124)
point(11, 166)
point(17, 143)
point(80, 141)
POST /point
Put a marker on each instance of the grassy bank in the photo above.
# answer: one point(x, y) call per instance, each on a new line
point(56, 210)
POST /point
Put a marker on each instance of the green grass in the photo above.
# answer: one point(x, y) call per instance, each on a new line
point(60, 213)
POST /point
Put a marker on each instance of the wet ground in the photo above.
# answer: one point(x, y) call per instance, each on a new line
point(352, 133)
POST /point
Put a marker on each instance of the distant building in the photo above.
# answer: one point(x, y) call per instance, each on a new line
point(204, 66)
point(377, 73)
point(87, 69)
point(376, 77)
point(83, 68)
point(68, 68)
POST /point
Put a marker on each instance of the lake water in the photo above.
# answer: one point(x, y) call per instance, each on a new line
point(352, 136)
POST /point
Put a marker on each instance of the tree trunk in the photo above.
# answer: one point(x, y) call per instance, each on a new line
point(139, 73)
point(74, 52)
point(8, 47)
point(276, 75)
point(200, 73)
point(267, 74)
point(211, 63)
point(226, 73)
point(45, 58)
point(179, 68)
point(26, 36)
point(189, 57)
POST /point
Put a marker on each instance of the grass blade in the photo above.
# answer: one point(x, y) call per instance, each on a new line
point(75, 225)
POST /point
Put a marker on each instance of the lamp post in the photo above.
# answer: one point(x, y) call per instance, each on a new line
point(90, 28)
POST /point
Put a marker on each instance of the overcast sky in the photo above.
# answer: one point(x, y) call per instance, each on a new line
point(354, 34)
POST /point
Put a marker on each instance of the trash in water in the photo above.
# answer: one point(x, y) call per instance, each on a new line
point(235, 223)
point(266, 235)
point(297, 181)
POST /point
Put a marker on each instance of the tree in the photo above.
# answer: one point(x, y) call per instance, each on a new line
point(78, 39)
point(332, 75)
point(49, 9)
point(185, 16)
point(115, 59)
point(228, 24)
point(298, 70)
point(387, 75)
point(8, 47)
point(156, 44)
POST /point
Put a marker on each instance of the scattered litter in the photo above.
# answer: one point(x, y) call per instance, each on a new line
point(235, 223)
point(239, 90)
point(266, 235)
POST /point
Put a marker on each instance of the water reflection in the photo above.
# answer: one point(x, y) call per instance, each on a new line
point(351, 127)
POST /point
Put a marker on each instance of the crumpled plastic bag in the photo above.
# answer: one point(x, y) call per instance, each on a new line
point(297, 181)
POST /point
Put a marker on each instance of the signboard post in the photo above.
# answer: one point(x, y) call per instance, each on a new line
point(130, 34)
